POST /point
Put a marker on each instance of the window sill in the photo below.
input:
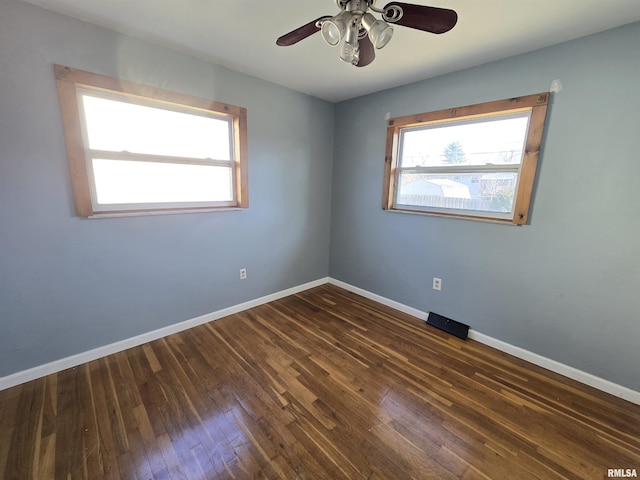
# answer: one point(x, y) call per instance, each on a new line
point(153, 213)
point(506, 221)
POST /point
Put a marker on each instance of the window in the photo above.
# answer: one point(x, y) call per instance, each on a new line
point(135, 149)
point(475, 162)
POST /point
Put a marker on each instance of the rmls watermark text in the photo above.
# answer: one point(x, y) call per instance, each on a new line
point(622, 473)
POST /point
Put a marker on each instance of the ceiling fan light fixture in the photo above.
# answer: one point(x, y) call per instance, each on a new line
point(361, 33)
point(380, 32)
point(350, 52)
point(333, 29)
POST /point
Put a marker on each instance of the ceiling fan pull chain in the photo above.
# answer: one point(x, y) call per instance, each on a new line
point(392, 13)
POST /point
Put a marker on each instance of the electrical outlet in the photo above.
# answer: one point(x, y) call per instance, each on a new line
point(243, 273)
point(437, 283)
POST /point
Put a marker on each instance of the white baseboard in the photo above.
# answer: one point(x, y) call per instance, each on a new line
point(75, 360)
point(557, 367)
point(377, 298)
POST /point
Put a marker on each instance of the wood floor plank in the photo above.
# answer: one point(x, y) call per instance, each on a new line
point(24, 452)
point(8, 421)
point(324, 384)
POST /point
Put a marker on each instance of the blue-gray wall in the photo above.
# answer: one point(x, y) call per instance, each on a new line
point(564, 287)
point(567, 286)
point(69, 284)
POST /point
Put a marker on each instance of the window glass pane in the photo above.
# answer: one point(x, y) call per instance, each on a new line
point(495, 141)
point(120, 126)
point(124, 181)
point(491, 192)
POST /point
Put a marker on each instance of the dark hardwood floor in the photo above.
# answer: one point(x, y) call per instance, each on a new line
point(319, 385)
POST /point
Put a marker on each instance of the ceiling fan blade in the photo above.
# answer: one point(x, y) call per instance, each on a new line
point(299, 33)
point(367, 52)
point(427, 19)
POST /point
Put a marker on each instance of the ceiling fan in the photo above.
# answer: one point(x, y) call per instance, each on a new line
point(363, 33)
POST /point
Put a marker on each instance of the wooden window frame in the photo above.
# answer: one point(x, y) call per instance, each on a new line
point(70, 80)
point(535, 104)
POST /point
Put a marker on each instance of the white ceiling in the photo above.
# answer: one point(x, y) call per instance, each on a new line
point(241, 34)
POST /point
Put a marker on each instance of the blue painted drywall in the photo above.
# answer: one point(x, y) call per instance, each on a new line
point(69, 284)
point(567, 285)
point(564, 286)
